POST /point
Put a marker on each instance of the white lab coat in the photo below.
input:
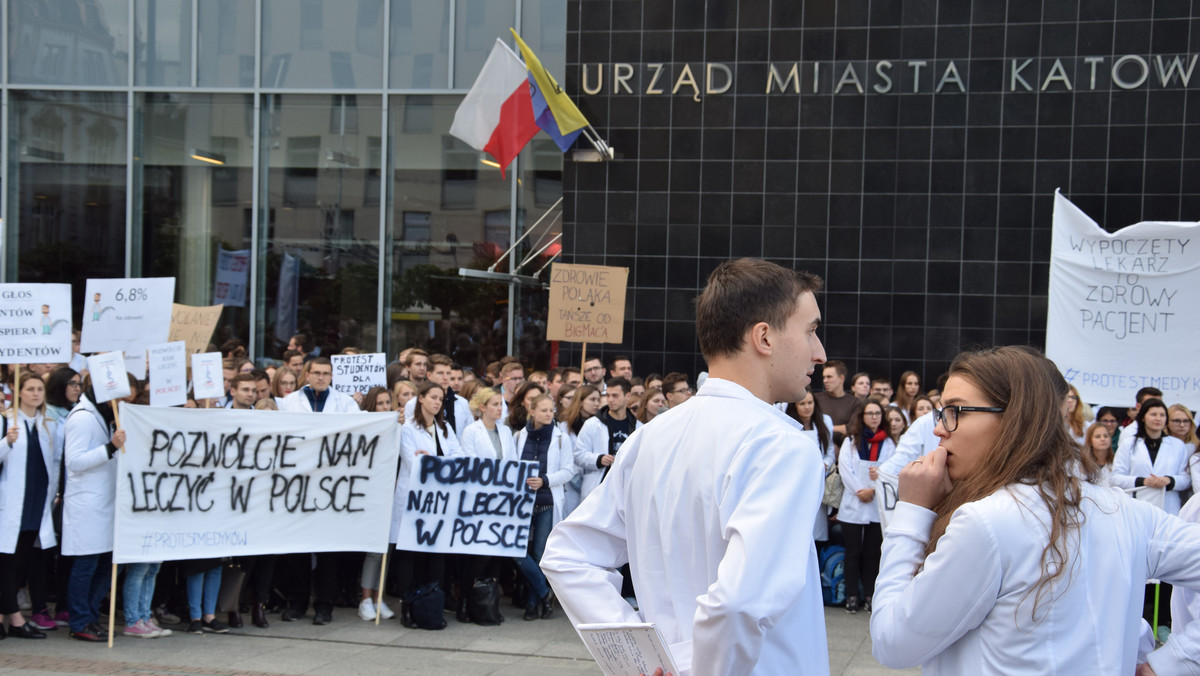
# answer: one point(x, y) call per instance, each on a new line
point(829, 457)
point(712, 505)
point(1181, 654)
point(916, 442)
point(89, 499)
point(1132, 460)
point(336, 403)
point(851, 509)
point(589, 446)
point(412, 439)
point(969, 609)
point(462, 414)
point(572, 494)
point(560, 465)
point(477, 442)
point(12, 480)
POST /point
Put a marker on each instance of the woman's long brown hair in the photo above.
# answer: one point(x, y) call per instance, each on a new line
point(1032, 448)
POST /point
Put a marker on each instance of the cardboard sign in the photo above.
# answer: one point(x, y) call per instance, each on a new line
point(197, 483)
point(109, 378)
point(168, 374)
point(358, 372)
point(466, 505)
point(587, 303)
point(126, 314)
point(35, 323)
point(194, 325)
point(233, 273)
point(208, 380)
point(1121, 313)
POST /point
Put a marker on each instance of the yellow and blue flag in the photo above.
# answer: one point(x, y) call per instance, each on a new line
point(553, 110)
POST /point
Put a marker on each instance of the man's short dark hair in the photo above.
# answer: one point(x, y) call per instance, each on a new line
point(672, 379)
point(260, 374)
point(569, 369)
point(1148, 392)
point(841, 369)
point(879, 381)
point(320, 361)
point(301, 341)
point(619, 382)
point(288, 354)
point(612, 363)
point(741, 293)
point(412, 354)
point(241, 378)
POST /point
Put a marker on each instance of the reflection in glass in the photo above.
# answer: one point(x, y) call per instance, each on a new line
point(320, 263)
point(84, 42)
point(163, 43)
point(66, 187)
point(420, 51)
point(225, 50)
point(300, 48)
point(450, 211)
point(197, 155)
point(477, 24)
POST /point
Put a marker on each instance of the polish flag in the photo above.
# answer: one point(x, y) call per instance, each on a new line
point(497, 114)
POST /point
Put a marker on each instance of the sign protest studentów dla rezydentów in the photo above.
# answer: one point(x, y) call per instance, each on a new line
point(1122, 307)
point(35, 323)
point(203, 483)
point(467, 505)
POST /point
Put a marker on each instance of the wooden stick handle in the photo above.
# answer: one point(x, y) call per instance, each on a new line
point(112, 606)
point(379, 593)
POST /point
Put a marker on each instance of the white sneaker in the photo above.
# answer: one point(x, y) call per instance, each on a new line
point(385, 612)
point(366, 610)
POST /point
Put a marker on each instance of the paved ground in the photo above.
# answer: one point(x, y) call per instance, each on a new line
point(351, 646)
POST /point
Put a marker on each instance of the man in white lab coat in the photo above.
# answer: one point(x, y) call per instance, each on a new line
point(712, 503)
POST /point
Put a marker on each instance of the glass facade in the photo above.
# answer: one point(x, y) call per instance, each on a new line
point(156, 137)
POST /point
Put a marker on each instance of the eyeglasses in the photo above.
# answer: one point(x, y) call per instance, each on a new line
point(1180, 421)
point(74, 383)
point(1071, 397)
point(948, 415)
point(682, 390)
point(873, 414)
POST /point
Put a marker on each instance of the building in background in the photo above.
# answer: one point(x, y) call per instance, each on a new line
point(147, 136)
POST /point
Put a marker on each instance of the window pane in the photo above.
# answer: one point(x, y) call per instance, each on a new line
point(321, 227)
point(197, 161)
point(164, 43)
point(226, 43)
point(322, 43)
point(69, 42)
point(67, 187)
point(477, 25)
point(420, 44)
point(450, 211)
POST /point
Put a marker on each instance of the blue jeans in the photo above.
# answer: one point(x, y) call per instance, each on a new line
point(539, 530)
point(139, 589)
point(202, 590)
point(86, 587)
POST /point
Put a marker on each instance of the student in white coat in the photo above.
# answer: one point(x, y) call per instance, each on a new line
point(819, 428)
point(1149, 457)
point(601, 436)
point(456, 411)
point(89, 503)
point(712, 505)
point(541, 441)
point(317, 395)
point(867, 444)
point(487, 438)
point(30, 454)
point(1181, 653)
point(424, 433)
point(1003, 556)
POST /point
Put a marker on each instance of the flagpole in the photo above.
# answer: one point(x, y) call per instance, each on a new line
point(492, 267)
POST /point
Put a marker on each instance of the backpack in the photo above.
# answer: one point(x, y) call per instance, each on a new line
point(483, 602)
point(833, 586)
point(426, 603)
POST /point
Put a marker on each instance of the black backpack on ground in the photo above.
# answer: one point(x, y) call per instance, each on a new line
point(483, 603)
point(426, 604)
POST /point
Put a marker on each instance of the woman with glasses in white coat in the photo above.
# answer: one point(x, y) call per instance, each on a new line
point(866, 446)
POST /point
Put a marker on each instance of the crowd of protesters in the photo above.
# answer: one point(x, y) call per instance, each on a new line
point(58, 482)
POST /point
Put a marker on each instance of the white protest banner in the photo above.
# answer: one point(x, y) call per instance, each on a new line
point(208, 380)
point(35, 323)
point(233, 272)
point(466, 505)
point(358, 372)
point(126, 314)
point(1122, 308)
point(204, 483)
point(168, 374)
point(109, 378)
point(587, 303)
point(886, 497)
